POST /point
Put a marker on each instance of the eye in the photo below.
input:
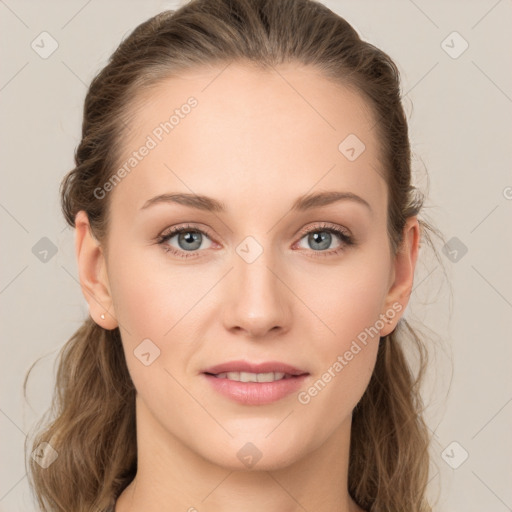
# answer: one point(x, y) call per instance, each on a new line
point(321, 237)
point(188, 239)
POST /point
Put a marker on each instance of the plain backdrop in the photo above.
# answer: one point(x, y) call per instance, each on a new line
point(454, 58)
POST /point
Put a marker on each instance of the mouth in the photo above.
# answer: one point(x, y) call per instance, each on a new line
point(252, 377)
point(255, 384)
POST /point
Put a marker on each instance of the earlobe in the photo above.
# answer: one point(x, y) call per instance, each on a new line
point(403, 269)
point(92, 273)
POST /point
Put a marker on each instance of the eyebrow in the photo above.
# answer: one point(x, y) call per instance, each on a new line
point(301, 204)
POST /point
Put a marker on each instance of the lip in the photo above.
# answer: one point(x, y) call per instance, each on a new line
point(255, 393)
point(245, 366)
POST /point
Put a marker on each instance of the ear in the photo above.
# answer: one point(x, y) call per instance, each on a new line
point(402, 275)
point(92, 271)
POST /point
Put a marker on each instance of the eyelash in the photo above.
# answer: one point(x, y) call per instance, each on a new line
point(344, 237)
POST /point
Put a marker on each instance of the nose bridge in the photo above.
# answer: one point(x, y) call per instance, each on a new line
point(258, 300)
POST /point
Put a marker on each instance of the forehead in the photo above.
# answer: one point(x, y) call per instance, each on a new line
point(262, 133)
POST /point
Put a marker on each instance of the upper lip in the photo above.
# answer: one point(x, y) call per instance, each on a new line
point(245, 366)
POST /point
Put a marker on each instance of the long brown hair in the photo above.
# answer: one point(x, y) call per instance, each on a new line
point(92, 419)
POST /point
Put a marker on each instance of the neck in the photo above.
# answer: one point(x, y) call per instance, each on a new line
point(171, 476)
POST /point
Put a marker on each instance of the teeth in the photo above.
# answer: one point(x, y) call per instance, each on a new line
point(252, 377)
point(269, 377)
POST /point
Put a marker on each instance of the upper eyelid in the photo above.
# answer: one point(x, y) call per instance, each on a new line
point(327, 226)
point(175, 230)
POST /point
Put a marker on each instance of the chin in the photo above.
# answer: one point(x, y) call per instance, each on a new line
point(260, 454)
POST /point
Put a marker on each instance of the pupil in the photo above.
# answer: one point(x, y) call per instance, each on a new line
point(191, 237)
point(320, 237)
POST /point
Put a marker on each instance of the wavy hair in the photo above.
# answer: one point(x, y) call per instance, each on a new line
point(91, 422)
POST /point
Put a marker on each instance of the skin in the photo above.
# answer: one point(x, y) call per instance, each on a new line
point(254, 143)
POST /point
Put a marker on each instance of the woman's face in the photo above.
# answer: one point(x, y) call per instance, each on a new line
point(260, 280)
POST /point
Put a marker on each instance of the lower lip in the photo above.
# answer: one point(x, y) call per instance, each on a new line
point(256, 393)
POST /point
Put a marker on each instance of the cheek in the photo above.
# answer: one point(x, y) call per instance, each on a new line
point(146, 308)
point(150, 296)
point(347, 351)
point(350, 298)
point(151, 304)
point(157, 301)
point(349, 306)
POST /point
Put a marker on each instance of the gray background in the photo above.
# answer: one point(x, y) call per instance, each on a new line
point(459, 105)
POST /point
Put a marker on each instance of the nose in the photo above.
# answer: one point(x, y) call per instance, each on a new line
point(258, 302)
